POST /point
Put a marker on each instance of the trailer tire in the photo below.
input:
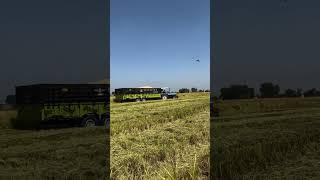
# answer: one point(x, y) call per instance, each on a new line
point(89, 121)
point(106, 121)
point(164, 97)
point(137, 100)
point(143, 100)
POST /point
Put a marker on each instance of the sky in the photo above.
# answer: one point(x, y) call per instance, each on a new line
point(52, 42)
point(153, 42)
point(258, 41)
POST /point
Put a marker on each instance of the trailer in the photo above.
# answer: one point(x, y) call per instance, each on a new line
point(46, 105)
point(143, 94)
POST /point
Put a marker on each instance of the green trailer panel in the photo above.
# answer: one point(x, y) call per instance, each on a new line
point(124, 97)
point(73, 110)
point(59, 102)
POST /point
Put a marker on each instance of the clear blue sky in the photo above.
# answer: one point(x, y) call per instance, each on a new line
point(153, 42)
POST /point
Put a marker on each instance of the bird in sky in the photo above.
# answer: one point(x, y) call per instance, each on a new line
point(197, 60)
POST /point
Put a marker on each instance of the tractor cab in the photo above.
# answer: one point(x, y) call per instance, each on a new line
point(166, 91)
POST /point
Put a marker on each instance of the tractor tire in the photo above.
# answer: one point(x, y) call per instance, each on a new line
point(164, 97)
point(89, 121)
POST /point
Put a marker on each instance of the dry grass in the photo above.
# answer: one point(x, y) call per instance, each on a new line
point(71, 153)
point(150, 140)
point(266, 139)
point(5, 118)
point(161, 139)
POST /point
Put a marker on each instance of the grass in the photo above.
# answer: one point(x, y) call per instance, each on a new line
point(252, 139)
point(161, 139)
point(5, 118)
point(150, 140)
point(66, 153)
point(72, 153)
point(267, 139)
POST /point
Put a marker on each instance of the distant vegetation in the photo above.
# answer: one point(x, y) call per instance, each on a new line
point(11, 99)
point(186, 90)
point(266, 90)
point(237, 92)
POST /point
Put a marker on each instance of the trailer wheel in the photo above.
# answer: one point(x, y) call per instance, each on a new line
point(106, 122)
point(143, 100)
point(88, 122)
point(137, 100)
point(164, 97)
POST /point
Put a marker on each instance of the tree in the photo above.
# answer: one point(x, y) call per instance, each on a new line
point(237, 92)
point(11, 99)
point(269, 90)
point(194, 89)
point(184, 90)
point(299, 92)
point(312, 92)
point(290, 93)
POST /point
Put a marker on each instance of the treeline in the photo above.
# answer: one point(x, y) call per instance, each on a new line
point(267, 90)
point(186, 90)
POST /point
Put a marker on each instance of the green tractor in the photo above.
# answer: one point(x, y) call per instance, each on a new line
point(56, 105)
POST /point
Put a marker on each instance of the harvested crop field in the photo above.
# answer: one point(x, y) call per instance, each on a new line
point(71, 153)
point(267, 139)
point(150, 140)
point(161, 139)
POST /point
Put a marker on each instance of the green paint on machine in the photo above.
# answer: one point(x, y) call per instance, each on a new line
point(76, 103)
point(132, 94)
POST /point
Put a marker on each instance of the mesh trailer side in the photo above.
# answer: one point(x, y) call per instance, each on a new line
point(62, 93)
